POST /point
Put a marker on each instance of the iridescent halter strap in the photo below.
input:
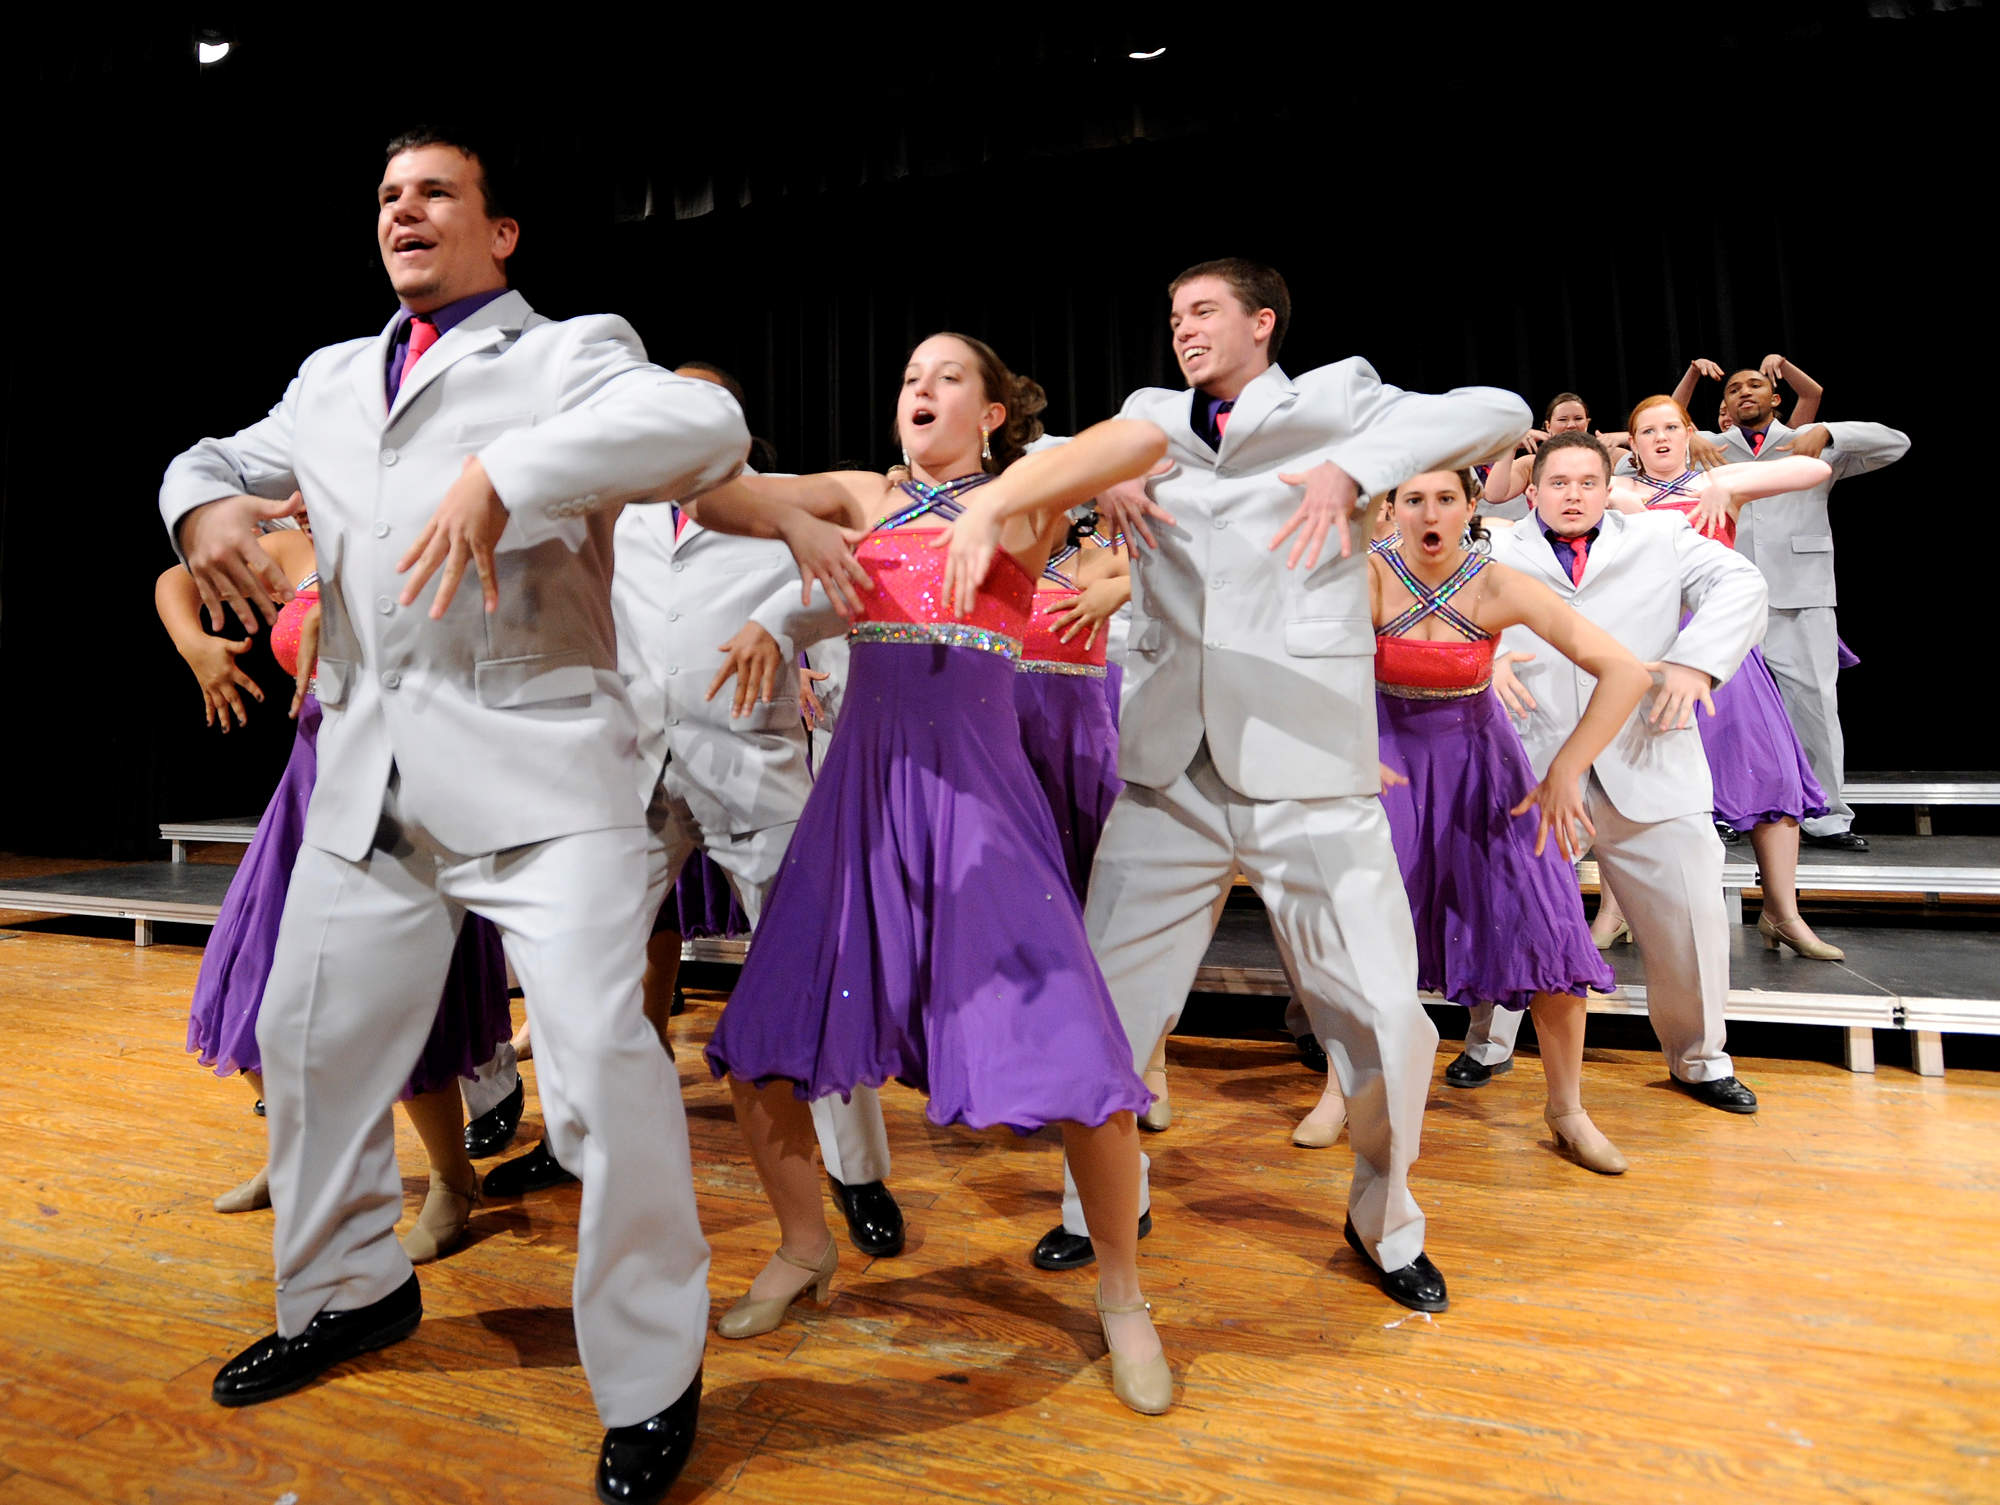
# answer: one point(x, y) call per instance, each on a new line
point(942, 499)
point(1661, 490)
point(1053, 570)
point(1433, 602)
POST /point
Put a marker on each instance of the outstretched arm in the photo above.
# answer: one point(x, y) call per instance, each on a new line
point(1747, 481)
point(819, 518)
point(1035, 485)
point(1622, 681)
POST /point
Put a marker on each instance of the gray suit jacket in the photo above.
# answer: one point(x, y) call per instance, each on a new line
point(506, 729)
point(1275, 667)
point(1789, 536)
point(676, 601)
point(1642, 572)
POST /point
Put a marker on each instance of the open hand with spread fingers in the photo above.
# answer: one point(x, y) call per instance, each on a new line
point(464, 529)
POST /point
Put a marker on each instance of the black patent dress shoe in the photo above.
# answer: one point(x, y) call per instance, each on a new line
point(1311, 1053)
point(493, 1130)
point(1466, 1072)
point(275, 1365)
point(259, 1109)
point(1837, 841)
point(1418, 1285)
point(1726, 1093)
point(537, 1170)
point(1729, 834)
point(1062, 1250)
point(638, 1464)
point(679, 1005)
point(874, 1221)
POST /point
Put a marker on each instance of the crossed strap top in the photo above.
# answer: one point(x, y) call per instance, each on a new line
point(291, 622)
point(908, 603)
point(1673, 496)
point(1414, 669)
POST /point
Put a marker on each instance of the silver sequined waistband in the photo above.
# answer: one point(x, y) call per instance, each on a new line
point(949, 634)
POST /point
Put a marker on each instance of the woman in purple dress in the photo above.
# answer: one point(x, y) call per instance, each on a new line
point(1764, 787)
point(473, 1015)
point(924, 928)
point(1498, 917)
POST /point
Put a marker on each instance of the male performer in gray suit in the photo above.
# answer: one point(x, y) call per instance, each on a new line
point(1248, 734)
point(1649, 793)
point(1790, 538)
point(470, 761)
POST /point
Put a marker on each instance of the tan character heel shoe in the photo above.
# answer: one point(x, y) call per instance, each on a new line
point(752, 1316)
point(440, 1226)
point(1145, 1385)
point(1795, 933)
point(1584, 1143)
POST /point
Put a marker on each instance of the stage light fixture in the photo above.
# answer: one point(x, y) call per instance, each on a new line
point(1143, 57)
point(211, 47)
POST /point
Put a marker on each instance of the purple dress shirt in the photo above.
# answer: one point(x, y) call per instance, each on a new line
point(447, 319)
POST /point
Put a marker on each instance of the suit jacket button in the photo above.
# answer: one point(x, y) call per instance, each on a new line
point(388, 457)
point(391, 679)
point(673, 668)
point(384, 605)
point(673, 616)
point(381, 530)
point(680, 564)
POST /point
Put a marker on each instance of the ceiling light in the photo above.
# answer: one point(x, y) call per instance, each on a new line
point(1142, 57)
point(211, 47)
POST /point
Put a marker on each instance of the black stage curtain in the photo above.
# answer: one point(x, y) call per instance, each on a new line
point(1525, 206)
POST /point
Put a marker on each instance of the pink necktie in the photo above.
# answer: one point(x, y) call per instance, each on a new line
point(1757, 442)
point(680, 521)
point(423, 335)
point(1579, 550)
point(1221, 422)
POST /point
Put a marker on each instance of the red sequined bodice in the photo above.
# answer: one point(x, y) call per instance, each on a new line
point(291, 620)
point(1434, 670)
point(1685, 505)
point(908, 605)
point(1043, 647)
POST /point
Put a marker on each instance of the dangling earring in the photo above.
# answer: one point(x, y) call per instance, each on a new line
point(906, 457)
point(985, 444)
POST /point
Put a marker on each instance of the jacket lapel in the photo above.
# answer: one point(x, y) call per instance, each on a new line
point(1528, 549)
point(1268, 391)
point(488, 327)
point(1610, 538)
point(371, 373)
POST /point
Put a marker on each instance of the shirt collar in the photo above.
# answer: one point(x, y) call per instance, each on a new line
point(1558, 541)
point(452, 314)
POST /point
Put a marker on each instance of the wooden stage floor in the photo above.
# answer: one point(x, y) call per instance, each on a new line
point(1801, 1306)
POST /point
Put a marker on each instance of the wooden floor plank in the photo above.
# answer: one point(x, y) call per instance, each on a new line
point(1796, 1307)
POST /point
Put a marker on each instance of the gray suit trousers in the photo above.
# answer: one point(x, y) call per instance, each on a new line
point(1802, 646)
point(361, 959)
point(853, 1141)
point(1328, 876)
point(1668, 878)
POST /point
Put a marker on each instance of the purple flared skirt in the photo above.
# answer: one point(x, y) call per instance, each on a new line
point(923, 928)
point(1072, 745)
point(1495, 923)
point(1759, 769)
point(1114, 687)
point(472, 1017)
point(702, 902)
